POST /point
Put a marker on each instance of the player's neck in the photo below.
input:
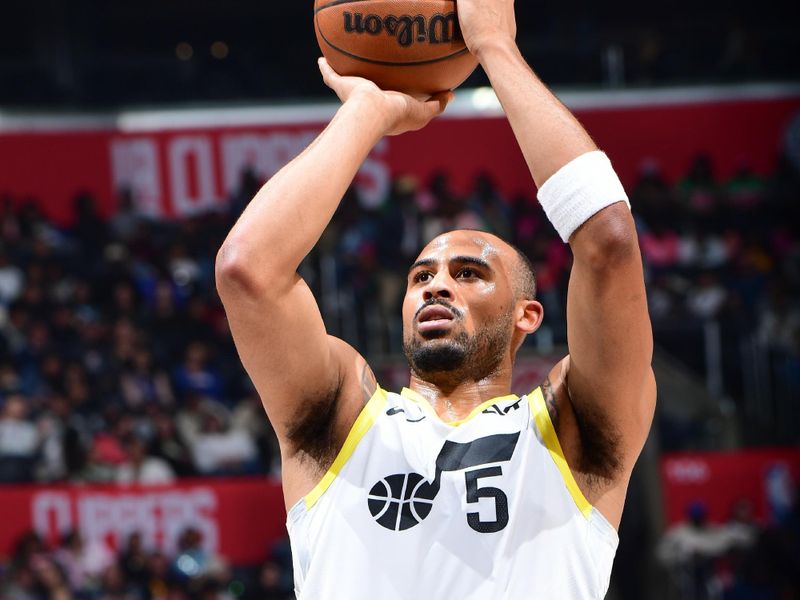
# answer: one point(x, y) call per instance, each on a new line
point(456, 401)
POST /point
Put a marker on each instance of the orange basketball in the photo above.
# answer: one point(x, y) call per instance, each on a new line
point(413, 46)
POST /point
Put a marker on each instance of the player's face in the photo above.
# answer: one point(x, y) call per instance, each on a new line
point(458, 308)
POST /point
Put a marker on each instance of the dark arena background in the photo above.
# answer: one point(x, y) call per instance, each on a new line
point(135, 459)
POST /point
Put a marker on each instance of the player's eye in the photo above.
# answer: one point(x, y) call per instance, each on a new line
point(466, 273)
point(422, 277)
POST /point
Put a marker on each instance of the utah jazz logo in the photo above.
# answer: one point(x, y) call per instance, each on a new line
point(399, 502)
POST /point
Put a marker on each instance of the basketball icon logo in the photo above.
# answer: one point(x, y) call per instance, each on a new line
point(398, 502)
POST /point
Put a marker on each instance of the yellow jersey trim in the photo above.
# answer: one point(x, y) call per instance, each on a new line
point(371, 411)
point(426, 406)
point(545, 426)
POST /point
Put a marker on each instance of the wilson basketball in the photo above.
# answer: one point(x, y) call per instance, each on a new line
point(413, 46)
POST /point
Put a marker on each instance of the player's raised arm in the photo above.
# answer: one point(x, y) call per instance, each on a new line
point(309, 382)
point(607, 378)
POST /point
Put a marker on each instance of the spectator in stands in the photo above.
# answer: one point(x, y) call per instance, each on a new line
point(492, 208)
point(114, 585)
point(281, 554)
point(52, 424)
point(12, 279)
point(248, 416)
point(661, 247)
point(125, 302)
point(143, 468)
point(707, 298)
point(168, 444)
point(194, 561)
point(688, 550)
point(745, 194)
point(165, 317)
point(662, 300)
point(97, 464)
point(10, 381)
point(699, 192)
point(90, 229)
point(397, 240)
point(653, 197)
point(270, 584)
point(197, 375)
point(212, 589)
point(526, 221)
point(134, 561)
point(184, 269)
point(19, 441)
point(219, 449)
point(20, 584)
point(741, 529)
point(142, 382)
point(159, 579)
point(51, 582)
point(780, 320)
point(126, 221)
point(699, 250)
point(83, 562)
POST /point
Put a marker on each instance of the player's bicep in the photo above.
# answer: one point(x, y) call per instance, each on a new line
point(283, 345)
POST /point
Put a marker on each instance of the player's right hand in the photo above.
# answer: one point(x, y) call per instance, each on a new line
point(486, 22)
point(400, 112)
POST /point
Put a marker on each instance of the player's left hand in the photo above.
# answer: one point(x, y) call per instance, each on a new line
point(399, 111)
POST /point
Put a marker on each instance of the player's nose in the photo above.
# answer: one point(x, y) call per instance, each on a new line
point(440, 287)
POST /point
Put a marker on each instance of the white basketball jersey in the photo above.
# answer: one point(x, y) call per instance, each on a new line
point(416, 508)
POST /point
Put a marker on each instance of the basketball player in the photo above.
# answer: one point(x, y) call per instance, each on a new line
point(453, 488)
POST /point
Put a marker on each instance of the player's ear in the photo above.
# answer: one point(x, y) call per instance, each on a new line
point(529, 315)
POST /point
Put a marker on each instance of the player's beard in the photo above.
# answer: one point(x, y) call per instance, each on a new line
point(462, 357)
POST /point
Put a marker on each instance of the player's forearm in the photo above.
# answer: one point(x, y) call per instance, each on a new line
point(548, 134)
point(287, 216)
point(551, 137)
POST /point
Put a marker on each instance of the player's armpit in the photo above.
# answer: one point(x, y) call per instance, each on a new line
point(591, 443)
point(305, 377)
point(600, 457)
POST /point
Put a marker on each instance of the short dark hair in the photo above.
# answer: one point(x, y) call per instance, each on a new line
point(524, 279)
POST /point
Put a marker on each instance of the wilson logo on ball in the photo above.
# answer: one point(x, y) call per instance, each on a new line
point(438, 29)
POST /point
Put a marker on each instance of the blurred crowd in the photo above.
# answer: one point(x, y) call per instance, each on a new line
point(726, 253)
point(740, 559)
point(716, 248)
point(117, 365)
point(116, 362)
point(83, 570)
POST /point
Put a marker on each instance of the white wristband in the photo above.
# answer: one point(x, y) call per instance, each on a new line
point(578, 190)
